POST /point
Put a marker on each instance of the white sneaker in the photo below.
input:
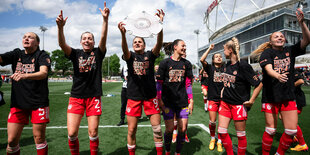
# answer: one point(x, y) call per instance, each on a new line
point(206, 107)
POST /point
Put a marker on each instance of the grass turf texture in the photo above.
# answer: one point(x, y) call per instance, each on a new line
point(113, 140)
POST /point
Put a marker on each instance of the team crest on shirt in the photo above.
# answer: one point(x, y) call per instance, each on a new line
point(276, 57)
point(32, 60)
point(210, 106)
point(92, 53)
point(235, 72)
point(19, 59)
point(170, 68)
point(183, 66)
point(287, 54)
point(146, 58)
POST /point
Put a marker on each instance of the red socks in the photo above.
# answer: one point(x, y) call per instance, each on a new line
point(267, 140)
point(286, 140)
point(42, 149)
point(242, 142)
point(226, 141)
point(74, 145)
point(131, 149)
point(159, 148)
point(300, 137)
point(93, 145)
point(212, 126)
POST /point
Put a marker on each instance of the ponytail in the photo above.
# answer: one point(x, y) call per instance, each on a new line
point(169, 46)
point(234, 45)
point(258, 52)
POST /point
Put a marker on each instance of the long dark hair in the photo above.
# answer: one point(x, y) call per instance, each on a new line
point(169, 46)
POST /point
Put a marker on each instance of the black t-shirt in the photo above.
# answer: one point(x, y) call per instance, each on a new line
point(87, 77)
point(282, 62)
point(300, 95)
point(141, 82)
point(215, 81)
point(174, 73)
point(237, 79)
point(204, 78)
point(28, 94)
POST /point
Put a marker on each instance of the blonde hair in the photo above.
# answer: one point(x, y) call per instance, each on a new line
point(258, 52)
point(234, 45)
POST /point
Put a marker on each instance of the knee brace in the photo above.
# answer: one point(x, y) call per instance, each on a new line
point(270, 131)
point(157, 131)
point(290, 132)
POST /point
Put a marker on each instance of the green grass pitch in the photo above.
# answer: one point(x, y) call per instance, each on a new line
point(113, 139)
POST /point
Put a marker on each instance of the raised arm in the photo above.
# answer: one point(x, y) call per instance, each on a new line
point(61, 37)
point(305, 31)
point(159, 44)
point(104, 31)
point(126, 53)
point(205, 55)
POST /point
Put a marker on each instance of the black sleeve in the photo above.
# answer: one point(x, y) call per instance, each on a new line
point(152, 55)
point(296, 50)
point(131, 57)
point(265, 58)
point(161, 70)
point(207, 68)
point(249, 74)
point(9, 57)
point(45, 60)
point(101, 55)
point(189, 71)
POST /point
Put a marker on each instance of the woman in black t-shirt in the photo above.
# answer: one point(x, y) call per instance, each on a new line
point(215, 85)
point(277, 62)
point(86, 90)
point(171, 76)
point(29, 95)
point(141, 87)
point(238, 77)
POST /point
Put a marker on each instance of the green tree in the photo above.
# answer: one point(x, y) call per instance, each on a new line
point(60, 62)
point(111, 65)
point(160, 58)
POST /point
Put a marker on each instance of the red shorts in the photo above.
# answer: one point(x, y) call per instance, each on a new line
point(92, 106)
point(40, 115)
point(204, 87)
point(236, 112)
point(274, 108)
point(213, 105)
point(299, 110)
point(134, 107)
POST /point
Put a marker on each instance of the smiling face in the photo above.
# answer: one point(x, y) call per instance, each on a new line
point(138, 45)
point(277, 40)
point(30, 40)
point(180, 48)
point(87, 41)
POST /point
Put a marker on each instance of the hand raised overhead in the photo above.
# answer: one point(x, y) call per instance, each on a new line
point(105, 12)
point(60, 20)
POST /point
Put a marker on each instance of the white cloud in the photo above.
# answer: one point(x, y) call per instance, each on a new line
point(182, 18)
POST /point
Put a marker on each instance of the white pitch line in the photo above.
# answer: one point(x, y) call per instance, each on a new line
point(112, 126)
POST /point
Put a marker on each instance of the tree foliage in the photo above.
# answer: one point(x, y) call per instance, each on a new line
point(160, 58)
point(60, 62)
point(111, 66)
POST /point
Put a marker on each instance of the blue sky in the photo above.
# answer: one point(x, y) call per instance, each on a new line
point(182, 18)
